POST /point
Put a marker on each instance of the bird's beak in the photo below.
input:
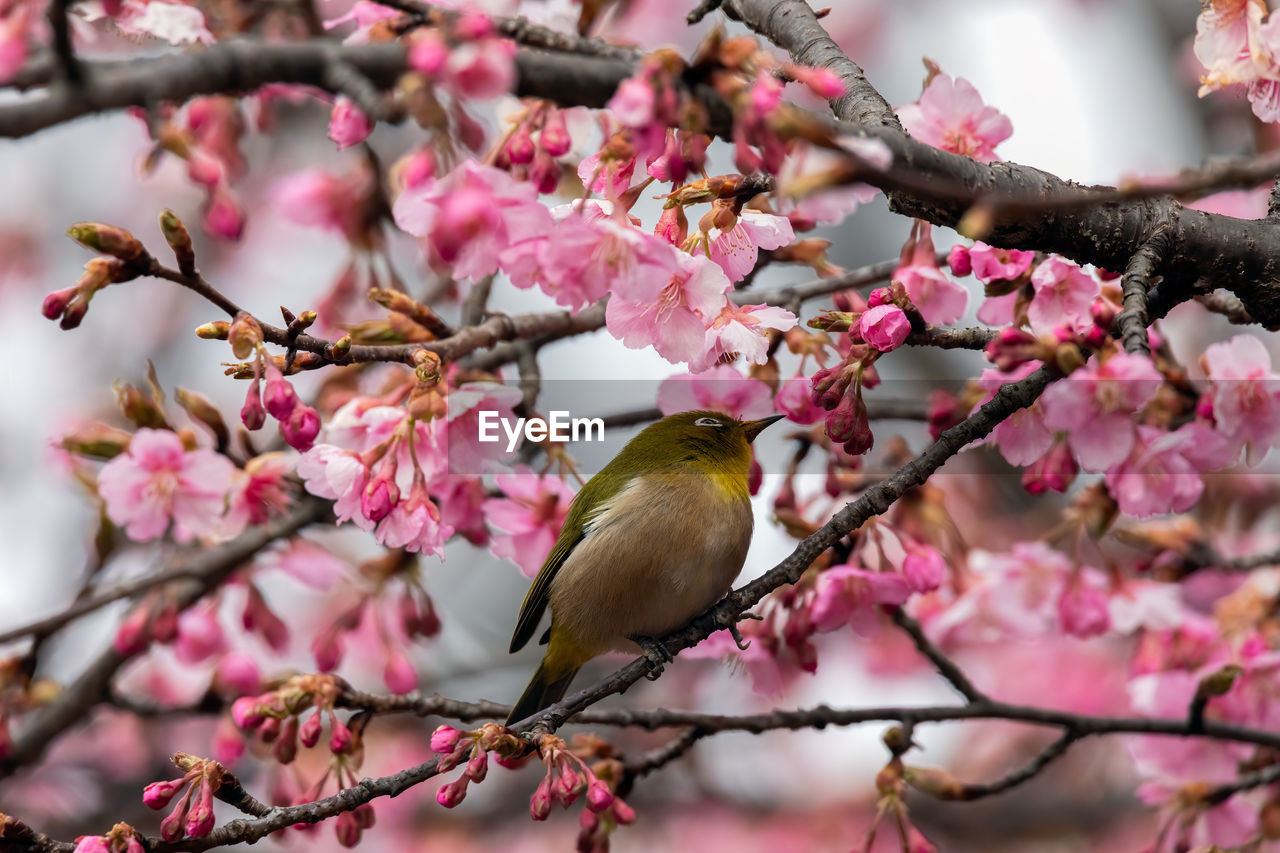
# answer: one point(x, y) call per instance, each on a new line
point(754, 428)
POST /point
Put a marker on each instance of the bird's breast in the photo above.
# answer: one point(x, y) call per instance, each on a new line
point(661, 551)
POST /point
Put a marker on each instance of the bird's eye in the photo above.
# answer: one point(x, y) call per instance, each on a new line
point(707, 422)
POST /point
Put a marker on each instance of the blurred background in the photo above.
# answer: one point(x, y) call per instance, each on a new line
point(1097, 90)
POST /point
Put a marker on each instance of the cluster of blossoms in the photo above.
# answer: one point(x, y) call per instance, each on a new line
point(1237, 46)
point(275, 719)
point(122, 838)
point(192, 817)
point(568, 775)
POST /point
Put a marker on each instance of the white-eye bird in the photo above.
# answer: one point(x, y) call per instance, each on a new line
point(652, 540)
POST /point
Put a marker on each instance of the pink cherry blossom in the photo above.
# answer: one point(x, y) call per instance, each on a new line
point(951, 115)
point(937, 297)
point(200, 636)
point(1095, 406)
point(466, 453)
point(885, 327)
point(675, 321)
point(318, 198)
point(852, 595)
point(795, 400)
point(611, 177)
point(632, 104)
point(1235, 45)
point(721, 389)
point(1083, 610)
point(470, 216)
point(742, 330)
point(347, 124)
point(923, 567)
point(16, 25)
point(738, 249)
point(1064, 295)
point(530, 517)
point(333, 472)
point(482, 69)
point(158, 481)
point(1023, 437)
point(1162, 472)
point(175, 23)
point(1246, 394)
point(991, 264)
point(415, 525)
point(366, 15)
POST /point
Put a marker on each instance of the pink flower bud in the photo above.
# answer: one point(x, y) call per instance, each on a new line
point(445, 739)
point(340, 739)
point(157, 795)
point(599, 797)
point(237, 673)
point(418, 168)
point(56, 303)
point(246, 712)
point(842, 421)
point(309, 732)
point(252, 414)
point(478, 766)
point(453, 793)
point(520, 147)
point(347, 830)
point(380, 496)
point(364, 815)
point(286, 747)
point(301, 429)
point(200, 818)
point(429, 53)
point(545, 172)
point(279, 396)
point(347, 124)
point(885, 327)
point(1012, 348)
point(327, 651)
point(223, 217)
point(93, 844)
point(269, 730)
point(171, 828)
point(567, 786)
point(823, 82)
point(398, 673)
point(623, 814)
point(555, 139)
point(672, 226)
point(879, 296)
point(1055, 471)
point(959, 261)
point(540, 802)
point(132, 635)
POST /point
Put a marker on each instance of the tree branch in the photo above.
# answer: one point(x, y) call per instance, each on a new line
point(1132, 320)
point(945, 666)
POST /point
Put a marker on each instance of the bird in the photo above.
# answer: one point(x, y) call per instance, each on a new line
point(651, 541)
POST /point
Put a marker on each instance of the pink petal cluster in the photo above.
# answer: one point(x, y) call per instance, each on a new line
point(741, 330)
point(18, 23)
point(1095, 407)
point(885, 327)
point(1245, 395)
point(951, 115)
point(1023, 437)
point(468, 218)
point(175, 23)
point(316, 198)
point(1236, 46)
point(1163, 470)
point(158, 482)
point(674, 321)
point(937, 297)
point(720, 389)
point(366, 465)
point(849, 595)
point(737, 249)
point(1064, 295)
point(348, 125)
point(530, 517)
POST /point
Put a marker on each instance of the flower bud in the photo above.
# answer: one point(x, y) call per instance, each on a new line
point(1219, 682)
point(309, 732)
point(301, 429)
point(445, 739)
point(540, 802)
point(214, 331)
point(55, 304)
point(140, 408)
point(244, 334)
point(252, 413)
point(884, 327)
point(202, 410)
point(157, 795)
point(1012, 347)
point(179, 240)
point(939, 783)
point(347, 830)
point(959, 261)
point(520, 148)
point(555, 139)
point(673, 225)
point(454, 792)
point(107, 239)
point(599, 797)
point(278, 396)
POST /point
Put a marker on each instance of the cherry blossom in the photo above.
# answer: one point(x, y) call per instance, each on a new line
point(347, 124)
point(936, 296)
point(1245, 394)
point(737, 249)
point(530, 517)
point(720, 389)
point(851, 595)
point(1162, 472)
point(1064, 295)
point(158, 481)
point(470, 216)
point(675, 321)
point(741, 330)
point(951, 115)
point(885, 327)
point(1095, 406)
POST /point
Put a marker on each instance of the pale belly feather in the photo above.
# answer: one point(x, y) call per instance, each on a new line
point(653, 559)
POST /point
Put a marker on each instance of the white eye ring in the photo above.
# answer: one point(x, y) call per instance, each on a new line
point(707, 422)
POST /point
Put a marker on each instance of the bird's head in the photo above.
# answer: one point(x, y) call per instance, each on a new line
point(709, 440)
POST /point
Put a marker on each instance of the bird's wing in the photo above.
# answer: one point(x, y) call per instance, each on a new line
point(577, 526)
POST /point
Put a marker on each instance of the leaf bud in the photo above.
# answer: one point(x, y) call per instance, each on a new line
point(141, 409)
point(179, 240)
point(201, 409)
point(1219, 682)
point(107, 239)
point(214, 331)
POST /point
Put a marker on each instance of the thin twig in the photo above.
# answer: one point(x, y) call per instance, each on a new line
point(945, 666)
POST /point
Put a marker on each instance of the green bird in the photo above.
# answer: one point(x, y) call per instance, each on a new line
point(652, 540)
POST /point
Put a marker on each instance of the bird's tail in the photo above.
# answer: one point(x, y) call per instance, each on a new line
point(548, 686)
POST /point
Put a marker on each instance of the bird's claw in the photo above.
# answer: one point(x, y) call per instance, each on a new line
point(743, 644)
point(655, 653)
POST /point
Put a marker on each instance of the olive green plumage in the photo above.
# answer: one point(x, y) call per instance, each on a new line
point(652, 540)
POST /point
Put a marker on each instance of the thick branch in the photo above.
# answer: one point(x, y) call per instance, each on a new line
point(1132, 319)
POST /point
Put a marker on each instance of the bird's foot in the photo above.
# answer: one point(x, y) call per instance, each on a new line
point(742, 643)
point(655, 653)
